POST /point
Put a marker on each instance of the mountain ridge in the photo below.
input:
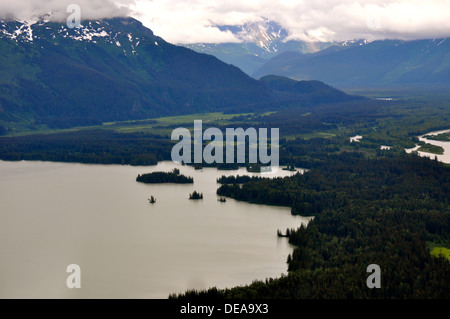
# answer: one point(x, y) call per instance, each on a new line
point(259, 41)
point(113, 70)
point(125, 64)
point(384, 62)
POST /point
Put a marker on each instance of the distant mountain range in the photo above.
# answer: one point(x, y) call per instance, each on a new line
point(265, 50)
point(362, 64)
point(116, 69)
point(259, 42)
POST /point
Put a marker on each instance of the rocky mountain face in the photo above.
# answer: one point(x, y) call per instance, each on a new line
point(259, 42)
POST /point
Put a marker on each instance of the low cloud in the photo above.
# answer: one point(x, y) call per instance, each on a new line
point(191, 21)
point(90, 9)
point(182, 21)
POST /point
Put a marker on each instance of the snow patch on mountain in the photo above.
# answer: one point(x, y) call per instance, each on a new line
point(19, 30)
point(264, 34)
point(350, 43)
point(87, 34)
point(44, 29)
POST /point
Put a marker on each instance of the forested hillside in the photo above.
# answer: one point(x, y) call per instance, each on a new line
point(388, 212)
point(117, 69)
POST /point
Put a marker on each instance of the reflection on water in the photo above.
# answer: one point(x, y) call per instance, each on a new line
point(97, 216)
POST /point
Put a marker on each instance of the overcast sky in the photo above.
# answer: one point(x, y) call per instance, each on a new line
point(190, 21)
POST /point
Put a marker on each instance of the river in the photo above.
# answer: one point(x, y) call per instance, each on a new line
point(98, 217)
point(445, 158)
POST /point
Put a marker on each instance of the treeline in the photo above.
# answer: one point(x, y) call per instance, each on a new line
point(3, 130)
point(164, 177)
point(88, 146)
point(367, 211)
point(67, 122)
point(236, 179)
point(108, 147)
point(304, 120)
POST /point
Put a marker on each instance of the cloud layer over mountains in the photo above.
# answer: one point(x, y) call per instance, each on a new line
point(182, 21)
point(90, 9)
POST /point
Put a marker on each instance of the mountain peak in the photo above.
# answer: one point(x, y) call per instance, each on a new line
point(263, 33)
point(124, 32)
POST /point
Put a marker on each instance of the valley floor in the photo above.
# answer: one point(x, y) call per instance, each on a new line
point(372, 202)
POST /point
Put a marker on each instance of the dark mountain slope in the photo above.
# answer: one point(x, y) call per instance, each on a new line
point(376, 63)
point(116, 69)
point(308, 92)
point(113, 70)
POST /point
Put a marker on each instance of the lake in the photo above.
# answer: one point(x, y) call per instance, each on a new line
point(98, 217)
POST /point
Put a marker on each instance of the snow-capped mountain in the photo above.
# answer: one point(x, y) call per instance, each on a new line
point(259, 42)
point(101, 31)
point(110, 69)
point(351, 43)
point(17, 30)
point(267, 34)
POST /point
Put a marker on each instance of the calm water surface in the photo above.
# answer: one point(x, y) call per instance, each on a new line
point(97, 216)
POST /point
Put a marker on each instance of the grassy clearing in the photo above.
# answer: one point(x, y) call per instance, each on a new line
point(46, 130)
point(165, 125)
point(162, 125)
point(441, 251)
point(313, 135)
point(173, 120)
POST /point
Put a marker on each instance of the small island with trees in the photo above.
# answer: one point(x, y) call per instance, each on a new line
point(195, 195)
point(165, 177)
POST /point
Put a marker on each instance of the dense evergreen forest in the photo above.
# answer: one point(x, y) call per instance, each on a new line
point(236, 179)
point(90, 146)
point(382, 211)
point(309, 135)
point(370, 206)
point(109, 147)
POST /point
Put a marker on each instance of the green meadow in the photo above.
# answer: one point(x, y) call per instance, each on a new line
point(441, 251)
